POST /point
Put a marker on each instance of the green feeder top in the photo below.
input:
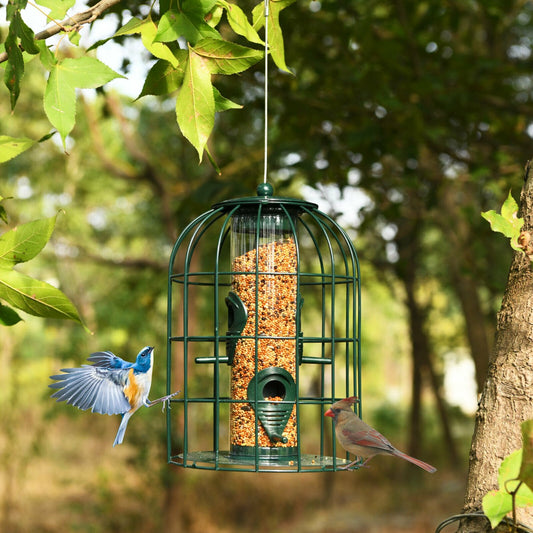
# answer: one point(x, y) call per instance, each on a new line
point(265, 193)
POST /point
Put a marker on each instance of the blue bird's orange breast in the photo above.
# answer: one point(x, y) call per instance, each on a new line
point(132, 390)
point(137, 388)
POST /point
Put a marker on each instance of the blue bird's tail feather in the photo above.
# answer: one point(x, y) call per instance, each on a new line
point(122, 429)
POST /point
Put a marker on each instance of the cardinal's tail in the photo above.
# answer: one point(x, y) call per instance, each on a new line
point(427, 467)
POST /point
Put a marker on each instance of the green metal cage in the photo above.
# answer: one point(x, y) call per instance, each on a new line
point(279, 282)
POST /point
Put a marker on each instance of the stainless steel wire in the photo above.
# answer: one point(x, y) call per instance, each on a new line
point(265, 171)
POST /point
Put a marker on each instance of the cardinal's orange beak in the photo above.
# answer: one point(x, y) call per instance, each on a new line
point(329, 412)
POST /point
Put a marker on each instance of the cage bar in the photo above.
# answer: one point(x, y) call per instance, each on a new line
point(264, 308)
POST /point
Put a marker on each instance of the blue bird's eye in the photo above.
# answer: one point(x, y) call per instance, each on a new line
point(146, 353)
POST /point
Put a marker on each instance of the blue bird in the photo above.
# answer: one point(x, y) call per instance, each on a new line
point(109, 386)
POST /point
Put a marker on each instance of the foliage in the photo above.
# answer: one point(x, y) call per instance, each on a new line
point(18, 290)
point(357, 114)
point(184, 38)
point(508, 222)
point(526, 468)
point(515, 481)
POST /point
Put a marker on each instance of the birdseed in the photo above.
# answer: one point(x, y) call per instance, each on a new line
point(272, 314)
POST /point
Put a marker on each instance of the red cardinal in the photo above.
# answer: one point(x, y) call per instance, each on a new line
point(360, 439)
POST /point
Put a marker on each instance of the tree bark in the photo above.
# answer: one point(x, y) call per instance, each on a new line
point(507, 398)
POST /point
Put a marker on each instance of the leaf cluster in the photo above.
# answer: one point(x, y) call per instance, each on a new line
point(23, 292)
point(184, 38)
point(515, 480)
point(507, 222)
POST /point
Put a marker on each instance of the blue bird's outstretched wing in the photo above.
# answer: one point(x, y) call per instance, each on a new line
point(108, 360)
point(99, 387)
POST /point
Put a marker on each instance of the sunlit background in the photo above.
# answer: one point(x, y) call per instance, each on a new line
point(402, 121)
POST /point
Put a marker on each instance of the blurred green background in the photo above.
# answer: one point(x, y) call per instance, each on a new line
point(404, 120)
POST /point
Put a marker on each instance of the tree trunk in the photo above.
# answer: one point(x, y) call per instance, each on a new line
point(422, 363)
point(408, 242)
point(467, 292)
point(463, 278)
point(507, 398)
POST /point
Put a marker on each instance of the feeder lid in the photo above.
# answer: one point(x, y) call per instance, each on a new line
point(265, 193)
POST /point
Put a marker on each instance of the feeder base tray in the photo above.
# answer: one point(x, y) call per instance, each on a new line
point(224, 460)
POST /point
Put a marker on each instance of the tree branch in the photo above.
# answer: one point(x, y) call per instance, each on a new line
point(139, 263)
point(76, 21)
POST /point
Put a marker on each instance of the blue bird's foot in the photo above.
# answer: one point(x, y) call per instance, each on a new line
point(165, 400)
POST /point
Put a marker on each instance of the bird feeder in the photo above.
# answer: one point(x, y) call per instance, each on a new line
point(278, 281)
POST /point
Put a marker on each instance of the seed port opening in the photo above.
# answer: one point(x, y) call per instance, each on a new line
point(274, 389)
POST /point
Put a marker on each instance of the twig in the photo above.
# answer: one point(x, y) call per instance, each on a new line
point(513, 496)
point(86, 17)
point(35, 6)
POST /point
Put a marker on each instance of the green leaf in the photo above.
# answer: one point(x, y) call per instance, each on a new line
point(190, 25)
point(498, 503)
point(85, 72)
point(60, 103)
point(10, 147)
point(168, 28)
point(508, 223)
point(3, 212)
point(27, 38)
point(226, 57)
point(204, 7)
point(35, 297)
point(162, 51)
point(47, 136)
point(46, 56)
point(14, 68)
point(74, 37)
point(275, 36)
point(222, 103)
point(60, 92)
point(526, 468)
point(13, 7)
point(148, 30)
point(499, 223)
point(8, 316)
point(509, 207)
point(509, 470)
point(133, 25)
point(239, 22)
point(25, 241)
point(195, 104)
point(19, 36)
point(214, 16)
point(163, 78)
point(58, 8)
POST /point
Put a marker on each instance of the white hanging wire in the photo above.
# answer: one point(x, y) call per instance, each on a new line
point(265, 172)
